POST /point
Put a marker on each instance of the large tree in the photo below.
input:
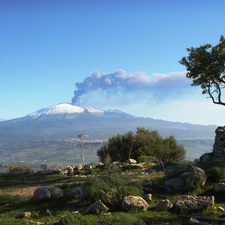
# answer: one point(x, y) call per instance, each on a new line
point(143, 142)
point(206, 68)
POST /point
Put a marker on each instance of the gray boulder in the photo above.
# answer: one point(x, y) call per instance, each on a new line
point(147, 183)
point(164, 205)
point(191, 202)
point(219, 187)
point(42, 194)
point(185, 176)
point(131, 203)
point(76, 193)
point(198, 175)
point(97, 207)
point(56, 192)
point(206, 157)
point(176, 184)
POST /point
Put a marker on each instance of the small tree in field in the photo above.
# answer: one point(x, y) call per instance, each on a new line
point(206, 68)
point(141, 143)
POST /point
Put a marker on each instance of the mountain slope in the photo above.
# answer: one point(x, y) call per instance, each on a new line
point(48, 132)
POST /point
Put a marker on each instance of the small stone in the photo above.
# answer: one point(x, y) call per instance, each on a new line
point(221, 208)
point(193, 221)
point(150, 197)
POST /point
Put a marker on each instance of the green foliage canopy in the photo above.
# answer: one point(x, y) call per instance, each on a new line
point(143, 142)
point(206, 67)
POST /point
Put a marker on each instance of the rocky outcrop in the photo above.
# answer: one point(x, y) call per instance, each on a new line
point(219, 143)
point(218, 146)
point(131, 203)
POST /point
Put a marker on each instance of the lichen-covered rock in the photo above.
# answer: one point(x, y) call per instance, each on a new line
point(42, 194)
point(195, 202)
point(97, 207)
point(131, 203)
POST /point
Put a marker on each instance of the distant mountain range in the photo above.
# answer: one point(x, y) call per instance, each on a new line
point(51, 130)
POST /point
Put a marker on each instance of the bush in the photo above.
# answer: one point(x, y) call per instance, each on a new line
point(177, 169)
point(20, 168)
point(117, 219)
point(112, 188)
point(215, 174)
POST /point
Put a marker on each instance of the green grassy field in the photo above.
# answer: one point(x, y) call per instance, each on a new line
point(16, 193)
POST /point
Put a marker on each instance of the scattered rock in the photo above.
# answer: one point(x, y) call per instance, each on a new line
point(198, 175)
point(56, 192)
point(70, 170)
point(164, 205)
point(42, 194)
point(149, 197)
point(185, 176)
point(219, 187)
point(131, 161)
point(27, 214)
point(147, 183)
point(75, 193)
point(97, 207)
point(221, 209)
point(134, 203)
point(195, 202)
point(87, 167)
point(78, 167)
point(193, 221)
point(175, 183)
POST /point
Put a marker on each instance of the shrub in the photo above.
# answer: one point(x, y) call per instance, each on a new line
point(216, 173)
point(20, 168)
point(112, 188)
point(177, 169)
point(117, 219)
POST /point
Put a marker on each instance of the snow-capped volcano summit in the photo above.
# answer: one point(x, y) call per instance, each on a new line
point(64, 109)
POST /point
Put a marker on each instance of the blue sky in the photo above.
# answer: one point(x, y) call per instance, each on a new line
point(49, 49)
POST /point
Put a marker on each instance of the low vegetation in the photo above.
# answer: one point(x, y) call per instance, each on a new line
point(111, 182)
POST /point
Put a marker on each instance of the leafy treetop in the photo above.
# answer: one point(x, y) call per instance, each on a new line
point(206, 67)
point(143, 142)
